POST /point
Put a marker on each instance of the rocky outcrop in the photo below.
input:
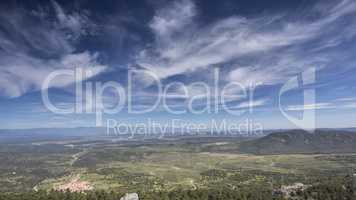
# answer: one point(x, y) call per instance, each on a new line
point(130, 196)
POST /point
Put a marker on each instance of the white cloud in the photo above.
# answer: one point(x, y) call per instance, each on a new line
point(251, 75)
point(347, 99)
point(37, 47)
point(76, 23)
point(321, 106)
point(172, 18)
point(316, 106)
point(251, 104)
point(183, 46)
point(27, 74)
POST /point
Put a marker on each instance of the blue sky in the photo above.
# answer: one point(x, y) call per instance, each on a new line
point(185, 41)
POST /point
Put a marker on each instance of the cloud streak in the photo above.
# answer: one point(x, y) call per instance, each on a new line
point(274, 44)
point(28, 55)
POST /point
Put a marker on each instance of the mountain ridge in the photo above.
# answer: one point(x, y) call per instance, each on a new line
point(302, 142)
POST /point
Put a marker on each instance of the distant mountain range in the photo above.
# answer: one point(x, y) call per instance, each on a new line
point(299, 141)
point(270, 142)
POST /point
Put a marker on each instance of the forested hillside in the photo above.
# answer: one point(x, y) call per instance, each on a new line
point(299, 141)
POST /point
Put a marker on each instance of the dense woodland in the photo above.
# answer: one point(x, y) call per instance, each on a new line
point(325, 191)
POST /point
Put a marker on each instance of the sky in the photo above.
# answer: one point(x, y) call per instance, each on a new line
point(279, 64)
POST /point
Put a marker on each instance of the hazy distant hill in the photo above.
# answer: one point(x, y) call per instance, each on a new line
point(298, 141)
point(45, 134)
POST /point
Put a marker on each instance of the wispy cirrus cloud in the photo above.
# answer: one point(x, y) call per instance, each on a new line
point(322, 105)
point(272, 46)
point(74, 24)
point(32, 45)
point(316, 106)
point(252, 103)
